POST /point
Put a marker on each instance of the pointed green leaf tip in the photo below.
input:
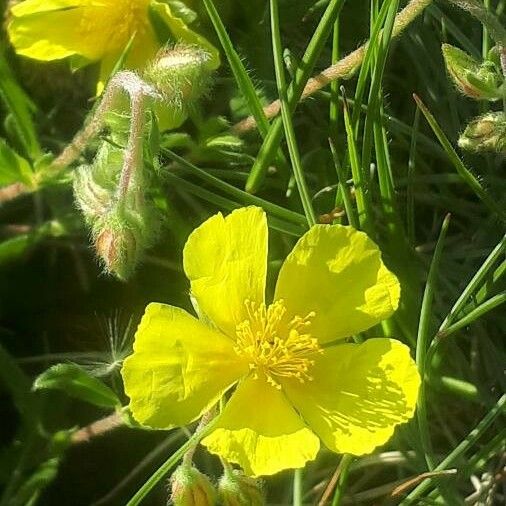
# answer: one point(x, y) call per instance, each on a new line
point(76, 382)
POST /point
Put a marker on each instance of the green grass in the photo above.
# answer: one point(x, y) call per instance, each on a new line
point(361, 151)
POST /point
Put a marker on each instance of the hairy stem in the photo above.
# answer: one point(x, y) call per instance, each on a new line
point(486, 17)
point(92, 127)
point(97, 428)
point(343, 69)
point(124, 81)
point(132, 159)
point(204, 421)
point(11, 191)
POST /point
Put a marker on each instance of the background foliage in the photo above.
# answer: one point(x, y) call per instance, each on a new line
point(56, 304)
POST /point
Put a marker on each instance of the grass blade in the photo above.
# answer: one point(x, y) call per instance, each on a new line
point(463, 171)
point(302, 75)
point(287, 118)
point(423, 341)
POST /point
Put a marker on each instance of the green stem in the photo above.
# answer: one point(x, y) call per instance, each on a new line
point(344, 466)
point(476, 280)
point(463, 447)
point(487, 18)
point(169, 464)
point(422, 341)
point(297, 487)
point(345, 191)
point(476, 313)
point(273, 138)
point(240, 195)
point(344, 68)
point(286, 114)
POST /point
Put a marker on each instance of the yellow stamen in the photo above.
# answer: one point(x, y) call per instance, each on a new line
point(274, 347)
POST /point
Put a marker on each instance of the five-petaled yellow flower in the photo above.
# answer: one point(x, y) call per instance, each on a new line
point(297, 380)
point(96, 30)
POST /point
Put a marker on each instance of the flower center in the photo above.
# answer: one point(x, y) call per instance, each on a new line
point(274, 347)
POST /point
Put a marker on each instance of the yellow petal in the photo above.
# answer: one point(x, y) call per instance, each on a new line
point(225, 260)
point(84, 27)
point(358, 395)
point(28, 7)
point(179, 368)
point(337, 272)
point(260, 431)
point(45, 34)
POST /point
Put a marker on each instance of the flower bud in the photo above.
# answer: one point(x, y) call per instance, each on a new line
point(477, 80)
point(181, 73)
point(190, 487)
point(237, 489)
point(485, 133)
point(122, 223)
point(118, 248)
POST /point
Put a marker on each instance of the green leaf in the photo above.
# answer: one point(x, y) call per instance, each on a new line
point(77, 383)
point(14, 380)
point(13, 248)
point(20, 107)
point(45, 472)
point(13, 168)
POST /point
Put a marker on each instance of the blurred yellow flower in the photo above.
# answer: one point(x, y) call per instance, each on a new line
point(97, 30)
point(298, 381)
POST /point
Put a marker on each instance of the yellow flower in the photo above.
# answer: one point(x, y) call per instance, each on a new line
point(96, 30)
point(297, 380)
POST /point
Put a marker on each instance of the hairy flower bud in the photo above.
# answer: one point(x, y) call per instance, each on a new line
point(181, 74)
point(118, 248)
point(480, 81)
point(237, 489)
point(485, 133)
point(190, 487)
point(121, 223)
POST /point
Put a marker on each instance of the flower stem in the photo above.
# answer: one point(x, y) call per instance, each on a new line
point(97, 428)
point(297, 487)
point(486, 17)
point(92, 127)
point(344, 471)
point(169, 464)
point(132, 159)
point(205, 420)
point(343, 69)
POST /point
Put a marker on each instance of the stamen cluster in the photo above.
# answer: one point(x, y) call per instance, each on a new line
point(275, 347)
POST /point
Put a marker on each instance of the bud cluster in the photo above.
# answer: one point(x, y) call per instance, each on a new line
point(484, 80)
point(111, 190)
point(190, 487)
point(121, 224)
